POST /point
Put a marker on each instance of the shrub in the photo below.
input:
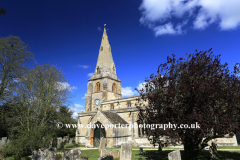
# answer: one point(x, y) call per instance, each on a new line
point(10, 158)
point(58, 157)
point(26, 158)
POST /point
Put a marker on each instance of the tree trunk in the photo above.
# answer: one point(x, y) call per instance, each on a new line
point(159, 147)
point(190, 150)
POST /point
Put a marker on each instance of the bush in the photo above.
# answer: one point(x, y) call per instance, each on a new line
point(26, 158)
point(10, 158)
point(58, 157)
point(22, 144)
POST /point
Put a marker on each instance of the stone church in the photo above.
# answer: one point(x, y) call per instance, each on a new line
point(104, 105)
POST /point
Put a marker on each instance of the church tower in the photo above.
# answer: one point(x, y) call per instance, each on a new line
point(104, 84)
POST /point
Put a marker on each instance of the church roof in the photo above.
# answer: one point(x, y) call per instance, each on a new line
point(114, 118)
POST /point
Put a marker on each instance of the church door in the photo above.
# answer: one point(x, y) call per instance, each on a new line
point(98, 133)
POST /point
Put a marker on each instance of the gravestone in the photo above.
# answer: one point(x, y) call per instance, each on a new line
point(73, 139)
point(48, 154)
point(72, 155)
point(8, 140)
point(54, 143)
point(4, 138)
point(102, 144)
point(141, 151)
point(59, 140)
point(105, 152)
point(3, 142)
point(115, 154)
point(63, 140)
point(70, 141)
point(62, 145)
point(47, 145)
point(126, 151)
point(51, 142)
point(109, 153)
point(174, 155)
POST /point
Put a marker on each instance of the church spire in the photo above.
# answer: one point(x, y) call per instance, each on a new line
point(105, 55)
point(105, 65)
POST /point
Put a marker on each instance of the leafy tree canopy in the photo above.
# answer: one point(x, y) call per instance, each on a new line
point(2, 11)
point(195, 89)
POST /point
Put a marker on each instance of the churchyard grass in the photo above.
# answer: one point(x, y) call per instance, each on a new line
point(92, 154)
point(73, 145)
point(163, 155)
point(228, 147)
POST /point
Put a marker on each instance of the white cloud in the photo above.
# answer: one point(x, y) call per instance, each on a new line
point(141, 85)
point(128, 91)
point(157, 14)
point(168, 29)
point(84, 96)
point(90, 74)
point(99, 28)
point(76, 109)
point(65, 86)
point(78, 105)
point(84, 66)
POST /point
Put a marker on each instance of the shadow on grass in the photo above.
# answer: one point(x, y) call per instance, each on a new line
point(205, 155)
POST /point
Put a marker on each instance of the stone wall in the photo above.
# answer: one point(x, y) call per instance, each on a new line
point(225, 141)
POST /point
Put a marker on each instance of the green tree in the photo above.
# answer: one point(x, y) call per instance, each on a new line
point(39, 93)
point(196, 89)
point(2, 11)
point(14, 55)
point(65, 116)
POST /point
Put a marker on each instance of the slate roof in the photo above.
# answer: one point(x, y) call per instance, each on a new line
point(114, 118)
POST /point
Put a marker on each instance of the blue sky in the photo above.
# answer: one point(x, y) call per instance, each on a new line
point(142, 33)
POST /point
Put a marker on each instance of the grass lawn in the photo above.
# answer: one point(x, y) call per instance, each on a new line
point(205, 155)
point(229, 147)
point(93, 154)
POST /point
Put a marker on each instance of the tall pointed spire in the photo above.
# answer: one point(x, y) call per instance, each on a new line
point(105, 64)
point(105, 55)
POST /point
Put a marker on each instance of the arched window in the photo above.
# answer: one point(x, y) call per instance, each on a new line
point(97, 87)
point(114, 88)
point(98, 70)
point(129, 104)
point(112, 106)
point(101, 48)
